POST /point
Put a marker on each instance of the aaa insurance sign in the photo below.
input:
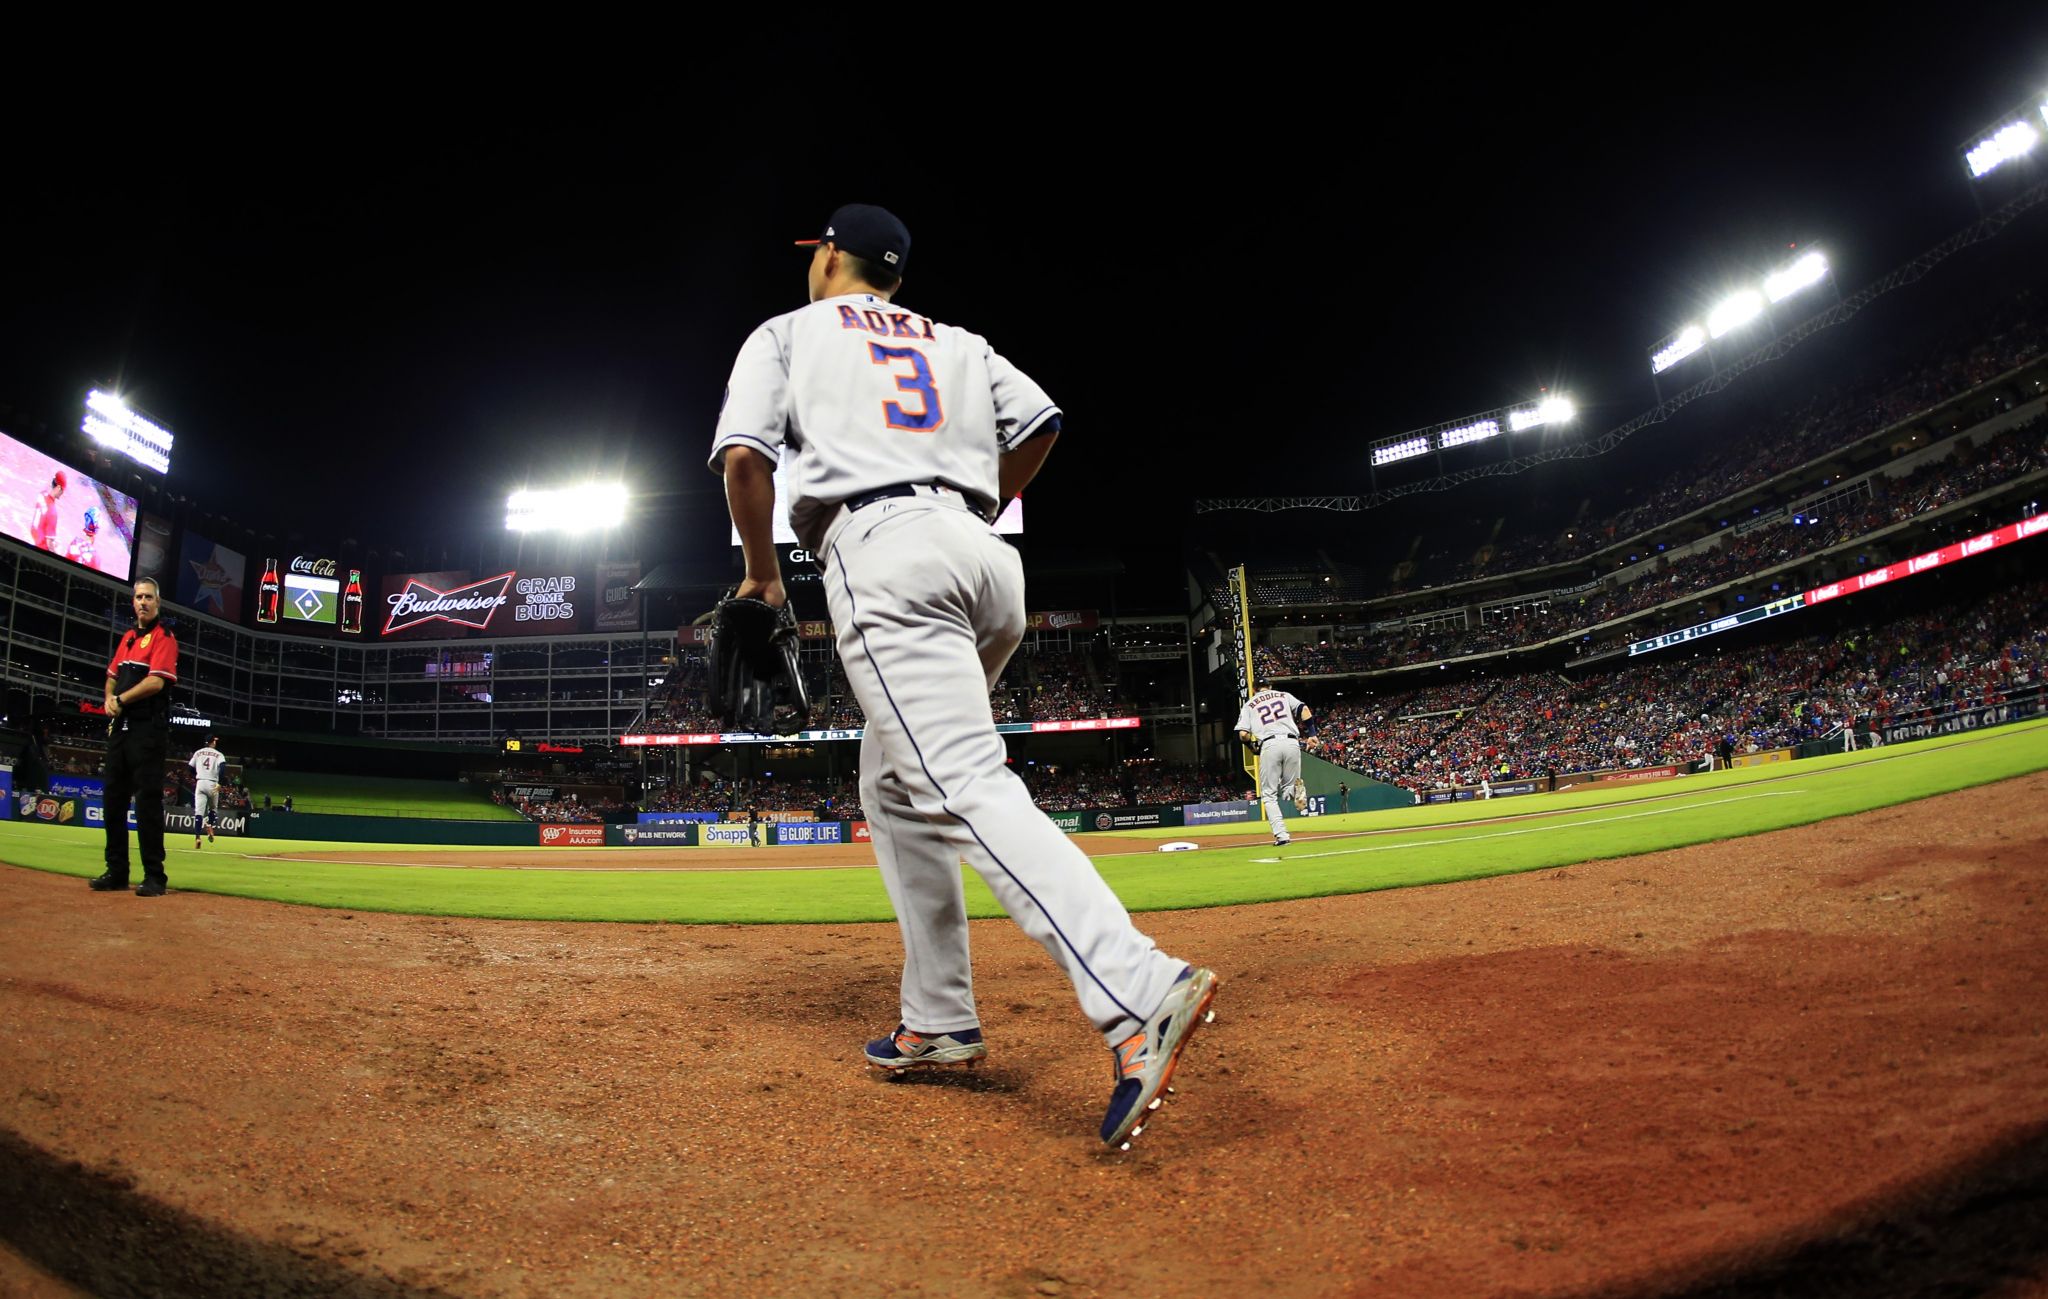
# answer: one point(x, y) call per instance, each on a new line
point(513, 603)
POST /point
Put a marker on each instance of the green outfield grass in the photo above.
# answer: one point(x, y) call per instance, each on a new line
point(1377, 850)
point(376, 796)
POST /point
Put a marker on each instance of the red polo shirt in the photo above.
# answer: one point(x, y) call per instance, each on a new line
point(153, 653)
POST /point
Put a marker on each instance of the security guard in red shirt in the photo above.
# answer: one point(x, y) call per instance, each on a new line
point(144, 668)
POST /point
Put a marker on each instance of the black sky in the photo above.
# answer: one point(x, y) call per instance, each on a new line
point(372, 315)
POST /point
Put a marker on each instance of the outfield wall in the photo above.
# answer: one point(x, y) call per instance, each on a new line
point(276, 824)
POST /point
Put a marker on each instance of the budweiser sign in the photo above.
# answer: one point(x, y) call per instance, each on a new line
point(466, 606)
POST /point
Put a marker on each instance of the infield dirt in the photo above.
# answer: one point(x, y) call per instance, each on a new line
point(1726, 1069)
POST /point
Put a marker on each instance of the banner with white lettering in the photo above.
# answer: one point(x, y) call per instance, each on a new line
point(444, 605)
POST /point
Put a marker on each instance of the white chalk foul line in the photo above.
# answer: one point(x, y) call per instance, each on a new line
point(1533, 829)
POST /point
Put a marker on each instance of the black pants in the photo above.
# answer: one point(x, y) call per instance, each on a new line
point(135, 769)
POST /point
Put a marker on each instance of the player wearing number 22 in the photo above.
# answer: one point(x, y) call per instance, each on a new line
point(1270, 724)
point(901, 438)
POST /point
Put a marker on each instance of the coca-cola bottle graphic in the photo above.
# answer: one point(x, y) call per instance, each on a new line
point(352, 603)
point(267, 595)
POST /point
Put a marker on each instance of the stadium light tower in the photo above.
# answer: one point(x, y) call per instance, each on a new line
point(592, 507)
point(109, 422)
point(1740, 308)
point(2013, 137)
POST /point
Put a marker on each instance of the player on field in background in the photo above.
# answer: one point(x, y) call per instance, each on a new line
point(207, 764)
point(1270, 723)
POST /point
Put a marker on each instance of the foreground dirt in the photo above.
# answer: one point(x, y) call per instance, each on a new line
point(1814, 1061)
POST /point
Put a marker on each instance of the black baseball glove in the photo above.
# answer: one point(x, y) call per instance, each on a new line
point(756, 685)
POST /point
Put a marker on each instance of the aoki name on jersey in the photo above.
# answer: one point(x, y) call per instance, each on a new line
point(890, 324)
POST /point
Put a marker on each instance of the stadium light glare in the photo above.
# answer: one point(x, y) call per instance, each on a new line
point(1734, 312)
point(2014, 140)
point(1551, 410)
point(1478, 432)
point(1690, 339)
point(1405, 449)
point(589, 508)
point(109, 422)
point(1804, 273)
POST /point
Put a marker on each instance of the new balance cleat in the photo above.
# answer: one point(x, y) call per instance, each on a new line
point(904, 1049)
point(1145, 1060)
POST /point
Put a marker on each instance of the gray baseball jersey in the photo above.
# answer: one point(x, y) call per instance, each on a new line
point(867, 395)
point(206, 764)
point(1270, 713)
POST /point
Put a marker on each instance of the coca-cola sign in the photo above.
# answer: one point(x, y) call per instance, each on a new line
point(470, 605)
point(313, 567)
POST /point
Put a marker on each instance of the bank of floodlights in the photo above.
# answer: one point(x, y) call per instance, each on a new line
point(109, 422)
point(1472, 428)
point(590, 508)
point(1551, 410)
point(1739, 309)
point(2008, 139)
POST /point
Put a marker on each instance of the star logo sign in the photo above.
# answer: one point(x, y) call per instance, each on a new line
point(213, 579)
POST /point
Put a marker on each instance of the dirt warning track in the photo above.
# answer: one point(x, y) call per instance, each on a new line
point(1802, 1062)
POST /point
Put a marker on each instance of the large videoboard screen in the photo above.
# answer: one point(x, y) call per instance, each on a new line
point(53, 507)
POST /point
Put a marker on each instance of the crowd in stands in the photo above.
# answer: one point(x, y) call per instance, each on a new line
point(836, 799)
point(1676, 708)
point(2014, 335)
point(1036, 685)
point(1885, 501)
point(570, 809)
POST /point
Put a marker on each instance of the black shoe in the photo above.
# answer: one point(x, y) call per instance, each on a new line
point(150, 889)
point(109, 883)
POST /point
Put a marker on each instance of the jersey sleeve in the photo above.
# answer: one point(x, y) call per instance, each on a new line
point(163, 656)
point(1023, 410)
point(756, 409)
point(1244, 718)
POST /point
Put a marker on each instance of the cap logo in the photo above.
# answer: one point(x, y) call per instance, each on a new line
point(830, 231)
point(889, 258)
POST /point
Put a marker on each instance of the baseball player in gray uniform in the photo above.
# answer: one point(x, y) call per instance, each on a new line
point(1270, 722)
point(901, 437)
point(206, 763)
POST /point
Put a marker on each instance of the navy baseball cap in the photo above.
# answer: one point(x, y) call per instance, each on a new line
point(868, 232)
